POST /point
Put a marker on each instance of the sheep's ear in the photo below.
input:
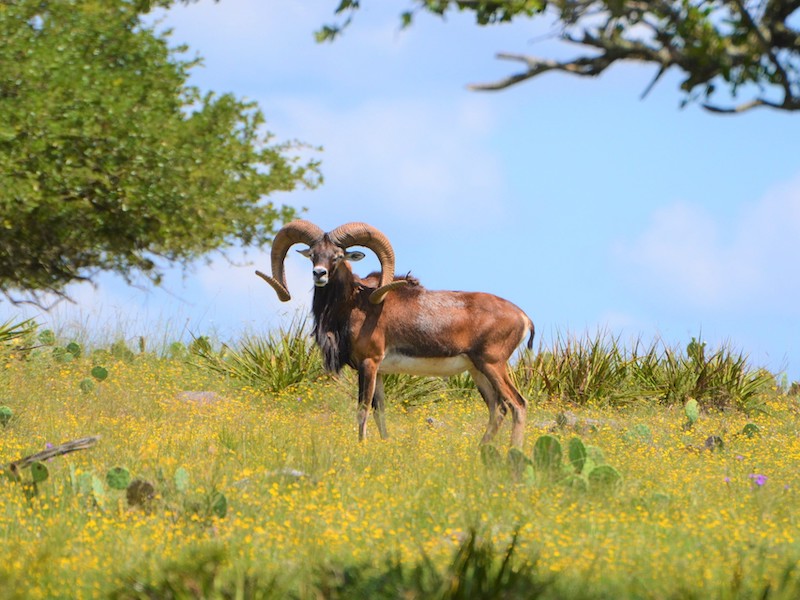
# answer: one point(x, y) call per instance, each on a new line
point(306, 252)
point(354, 255)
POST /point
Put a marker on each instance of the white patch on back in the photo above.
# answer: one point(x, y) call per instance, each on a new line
point(436, 311)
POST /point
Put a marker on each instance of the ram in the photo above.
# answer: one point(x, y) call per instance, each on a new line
point(385, 324)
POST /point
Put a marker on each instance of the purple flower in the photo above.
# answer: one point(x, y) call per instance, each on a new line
point(758, 479)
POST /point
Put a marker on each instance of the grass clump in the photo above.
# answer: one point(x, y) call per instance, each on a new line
point(600, 370)
point(273, 362)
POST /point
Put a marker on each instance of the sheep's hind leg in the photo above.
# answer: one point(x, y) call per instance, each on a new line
point(379, 406)
point(493, 403)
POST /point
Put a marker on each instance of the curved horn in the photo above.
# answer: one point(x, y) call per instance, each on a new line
point(361, 234)
point(292, 233)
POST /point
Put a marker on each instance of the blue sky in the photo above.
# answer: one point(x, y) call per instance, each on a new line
point(585, 205)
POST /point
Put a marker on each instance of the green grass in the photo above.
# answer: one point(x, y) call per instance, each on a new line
point(311, 513)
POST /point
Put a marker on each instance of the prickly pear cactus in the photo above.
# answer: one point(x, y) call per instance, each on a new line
point(639, 433)
point(577, 454)
point(39, 472)
point(98, 492)
point(520, 465)
point(595, 455)
point(74, 349)
point(5, 415)
point(547, 455)
point(219, 505)
point(118, 478)
point(604, 478)
point(99, 373)
point(579, 483)
point(181, 480)
point(82, 483)
point(692, 411)
point(750, 430)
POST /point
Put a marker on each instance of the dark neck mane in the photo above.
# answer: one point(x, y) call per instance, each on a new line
point(331, 310)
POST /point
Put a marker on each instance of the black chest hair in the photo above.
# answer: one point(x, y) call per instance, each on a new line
point(330, 308)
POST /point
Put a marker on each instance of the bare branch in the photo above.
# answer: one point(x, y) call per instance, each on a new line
point(73, 446)
point(737, 109)
point(586, 66)
point(790, 105)
point(653, 83)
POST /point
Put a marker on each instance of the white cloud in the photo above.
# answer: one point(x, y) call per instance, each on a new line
point(697, 259)
point(405, 157)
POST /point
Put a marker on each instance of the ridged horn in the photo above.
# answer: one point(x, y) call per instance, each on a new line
point(361, 234)
point(294, 232)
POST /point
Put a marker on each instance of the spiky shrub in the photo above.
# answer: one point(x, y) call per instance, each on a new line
point(461, 385)
point(714, 376)
point(530, 375)
point(275, 362)
point(412, 390)
point(11, 332)
point(597, 369)
point(580, 370)
point(660, 373)
point(719, 378)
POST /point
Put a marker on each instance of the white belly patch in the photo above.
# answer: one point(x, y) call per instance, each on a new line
point(428, 367)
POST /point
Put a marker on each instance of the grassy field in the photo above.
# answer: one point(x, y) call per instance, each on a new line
point(259, 488)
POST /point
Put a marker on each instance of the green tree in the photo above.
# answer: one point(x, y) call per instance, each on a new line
point(110, 161)
point(748, 48)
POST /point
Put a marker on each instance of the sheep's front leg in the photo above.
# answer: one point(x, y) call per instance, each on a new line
point(367, 375)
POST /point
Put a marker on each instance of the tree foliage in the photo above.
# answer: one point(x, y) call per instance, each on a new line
point(746, 48)
point(109, 160)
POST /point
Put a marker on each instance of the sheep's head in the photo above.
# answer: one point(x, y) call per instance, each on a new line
point(327, 251)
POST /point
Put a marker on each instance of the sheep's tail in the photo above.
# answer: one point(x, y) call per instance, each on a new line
point(532, 329)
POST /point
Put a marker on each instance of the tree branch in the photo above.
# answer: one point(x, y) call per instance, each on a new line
point(586, 66)
point(789, 105)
